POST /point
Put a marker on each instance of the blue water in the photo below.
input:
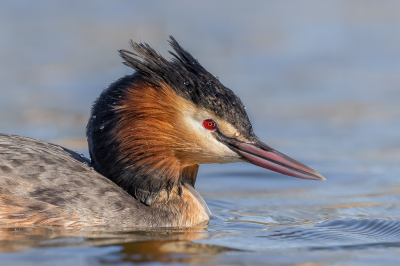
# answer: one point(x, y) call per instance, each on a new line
point(320, 80)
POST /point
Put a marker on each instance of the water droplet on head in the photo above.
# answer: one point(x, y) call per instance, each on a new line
point(244, 107)
point(186, 83)
point(82, 155)
point(102, 127)
point(216, 77)
point(94, 116)
point(91, 169)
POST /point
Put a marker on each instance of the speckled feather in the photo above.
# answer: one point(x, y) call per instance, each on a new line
point(46, 184)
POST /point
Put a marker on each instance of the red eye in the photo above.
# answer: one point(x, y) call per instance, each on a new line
point(209, 124)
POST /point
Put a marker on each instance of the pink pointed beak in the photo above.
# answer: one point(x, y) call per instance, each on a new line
point(264, 156)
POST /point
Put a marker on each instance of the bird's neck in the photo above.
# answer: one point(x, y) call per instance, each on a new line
point(132, 141)
point(185, 208)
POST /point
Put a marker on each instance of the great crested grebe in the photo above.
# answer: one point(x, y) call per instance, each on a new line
point(147, 133)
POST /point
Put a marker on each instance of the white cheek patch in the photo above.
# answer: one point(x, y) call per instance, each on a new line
point(213, 150)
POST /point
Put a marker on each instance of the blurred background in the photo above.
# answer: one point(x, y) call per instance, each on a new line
point(320, 80)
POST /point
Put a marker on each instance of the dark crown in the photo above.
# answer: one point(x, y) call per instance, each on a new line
point(190, 80)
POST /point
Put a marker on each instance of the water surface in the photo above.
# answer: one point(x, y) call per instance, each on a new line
point(321, 84)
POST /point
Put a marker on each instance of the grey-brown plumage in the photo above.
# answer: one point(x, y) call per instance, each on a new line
point(46, 184)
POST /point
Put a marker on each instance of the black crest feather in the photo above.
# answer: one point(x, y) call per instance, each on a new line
point(189, 79)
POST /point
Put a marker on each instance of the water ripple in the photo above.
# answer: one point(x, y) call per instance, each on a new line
point(345, 232)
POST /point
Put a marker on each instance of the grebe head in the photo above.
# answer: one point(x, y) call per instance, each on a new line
point(151, 130)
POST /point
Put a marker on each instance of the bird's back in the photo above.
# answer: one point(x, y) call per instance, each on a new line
point(42, 183)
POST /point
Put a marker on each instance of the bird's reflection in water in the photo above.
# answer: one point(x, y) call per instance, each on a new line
point(167, 252)
point(166, 245)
